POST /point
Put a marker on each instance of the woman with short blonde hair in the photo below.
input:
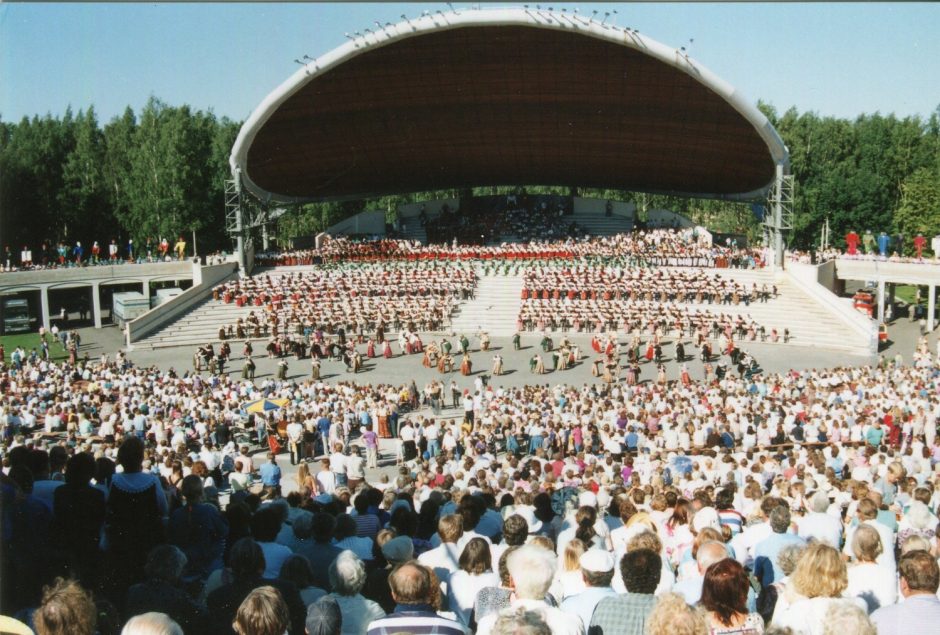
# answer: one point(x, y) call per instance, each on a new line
point(817, 583)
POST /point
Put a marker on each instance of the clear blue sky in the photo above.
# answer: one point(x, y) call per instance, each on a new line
point(835, 59)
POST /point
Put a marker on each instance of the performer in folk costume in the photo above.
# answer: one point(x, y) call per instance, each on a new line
point(497, 365)
point(851, 243)
point(919, 243)
point(466, 366)
point(661, 375)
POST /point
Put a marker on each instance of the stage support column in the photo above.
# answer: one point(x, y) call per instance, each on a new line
point(44, 306)
point(881, 301)
point(96, 304)
point(931, 306)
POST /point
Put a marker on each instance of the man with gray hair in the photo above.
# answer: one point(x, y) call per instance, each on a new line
point(520, 622)
point(324, 617)
point(531, 571)
point(765, 553)
point(162, 592)
point(347, 577)
point(819, 524)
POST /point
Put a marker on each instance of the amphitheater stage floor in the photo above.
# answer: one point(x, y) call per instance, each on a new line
point(402, 368)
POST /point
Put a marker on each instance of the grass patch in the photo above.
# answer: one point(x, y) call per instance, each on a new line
point(907, 292)
point(30, 341)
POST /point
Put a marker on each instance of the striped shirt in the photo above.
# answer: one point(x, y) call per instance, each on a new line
point(416, 619)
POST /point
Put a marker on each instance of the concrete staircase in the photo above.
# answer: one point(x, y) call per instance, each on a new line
point(494, 309)
point(198, 327)
point(414, 231)
point(601, 225)
point(810, 323)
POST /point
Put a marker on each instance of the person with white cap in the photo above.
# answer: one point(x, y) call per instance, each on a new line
point(597, 569)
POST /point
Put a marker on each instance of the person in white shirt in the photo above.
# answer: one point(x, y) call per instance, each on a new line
point(745, 542)
point(866, 514)
point(445, 559)
point(295, 436)
point(475, 573)
point(867, 579)
point(355, 468)
point(409, 447)
point(819, 524)
point(338, 465)
point(531, 570)
point(431, 433)
point(325, 479)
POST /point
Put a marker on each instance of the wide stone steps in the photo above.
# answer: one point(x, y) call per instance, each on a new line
point(198, 327)
point(414, 231)
point(601, 225)
point(494, 309)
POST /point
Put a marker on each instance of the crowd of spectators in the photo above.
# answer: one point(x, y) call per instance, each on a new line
point(802, 501)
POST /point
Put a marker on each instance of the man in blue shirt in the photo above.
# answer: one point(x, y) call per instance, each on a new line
point(597, 570)
point(271, 477)
point(323, 425)
point(766, 551)
point(632, 439)
point(874, 434)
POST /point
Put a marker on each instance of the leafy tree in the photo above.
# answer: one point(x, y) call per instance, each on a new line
point(83, 200)
point(919, 209)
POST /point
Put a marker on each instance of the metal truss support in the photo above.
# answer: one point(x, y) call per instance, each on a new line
point(780, 219)
point(234, 219)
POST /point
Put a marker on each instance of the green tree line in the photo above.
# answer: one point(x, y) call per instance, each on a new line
point(142, 176)
point(160, 173)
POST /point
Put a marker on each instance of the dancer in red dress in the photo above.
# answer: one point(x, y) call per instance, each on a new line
point(851, 243)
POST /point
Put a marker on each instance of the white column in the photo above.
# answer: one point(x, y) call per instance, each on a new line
point(881, 301)
point(146, 289)
point(931, 306)
point(96, 304)
point(44, 307)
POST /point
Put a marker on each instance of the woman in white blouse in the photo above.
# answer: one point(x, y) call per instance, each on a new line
point(475, 573)
point(869, 581)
